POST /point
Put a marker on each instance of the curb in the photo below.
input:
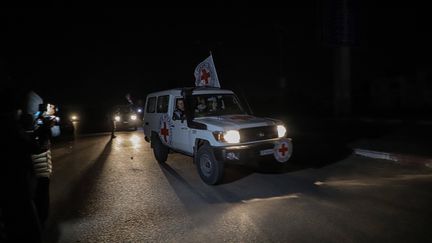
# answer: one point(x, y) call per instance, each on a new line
point(396, 121)
point(395, 157)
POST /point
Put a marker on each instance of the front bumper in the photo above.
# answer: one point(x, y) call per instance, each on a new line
point(245, 154)
point(127, 123)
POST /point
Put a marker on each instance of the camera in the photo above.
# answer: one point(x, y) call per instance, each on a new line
point(47, 115)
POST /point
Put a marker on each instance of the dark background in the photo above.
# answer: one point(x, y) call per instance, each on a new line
point(283, 57)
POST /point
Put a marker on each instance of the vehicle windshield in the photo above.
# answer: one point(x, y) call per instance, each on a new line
point(124, 109)
point(216, 105)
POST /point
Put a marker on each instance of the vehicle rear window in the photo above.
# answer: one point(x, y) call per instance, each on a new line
point(151, 104)
point(162, 104)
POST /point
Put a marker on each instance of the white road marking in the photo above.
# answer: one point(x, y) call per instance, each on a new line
point(290, 196)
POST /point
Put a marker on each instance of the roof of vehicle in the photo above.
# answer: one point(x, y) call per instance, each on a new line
point(196, 90)
point(124, 108)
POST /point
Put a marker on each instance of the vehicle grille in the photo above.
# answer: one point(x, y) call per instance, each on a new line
point(258, 133)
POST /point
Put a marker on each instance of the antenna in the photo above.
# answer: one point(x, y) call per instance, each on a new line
point(245, 100)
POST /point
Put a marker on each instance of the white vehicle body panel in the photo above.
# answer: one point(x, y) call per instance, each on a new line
point(182, 137)
point(233, 122)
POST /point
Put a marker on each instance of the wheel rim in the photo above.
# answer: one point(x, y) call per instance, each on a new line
point(206, 165)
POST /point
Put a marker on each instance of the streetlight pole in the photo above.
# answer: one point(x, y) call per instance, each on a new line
point(339, 31)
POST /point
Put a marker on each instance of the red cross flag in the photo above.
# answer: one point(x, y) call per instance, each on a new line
point(205, 73)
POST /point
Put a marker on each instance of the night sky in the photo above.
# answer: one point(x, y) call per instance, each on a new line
point(95, 57)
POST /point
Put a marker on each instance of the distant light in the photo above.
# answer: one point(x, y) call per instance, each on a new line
point(319, 183)
point(117, 118)
point(139, 110)
point(74, 117)
point(133, 117)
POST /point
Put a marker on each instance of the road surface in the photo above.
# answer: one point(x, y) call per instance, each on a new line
point(106, 190)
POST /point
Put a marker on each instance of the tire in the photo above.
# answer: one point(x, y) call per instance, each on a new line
point(160, 151)
point(209, 169)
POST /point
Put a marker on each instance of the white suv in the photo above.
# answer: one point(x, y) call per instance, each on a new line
point(215, 129)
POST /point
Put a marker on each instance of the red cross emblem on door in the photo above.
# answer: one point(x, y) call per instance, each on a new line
point(164, 132)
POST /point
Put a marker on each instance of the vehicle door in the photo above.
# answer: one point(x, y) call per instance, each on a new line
point(150, 118)
point(180, 130)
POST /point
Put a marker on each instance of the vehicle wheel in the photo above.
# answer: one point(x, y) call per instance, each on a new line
point(160, 151)
point(209, 169)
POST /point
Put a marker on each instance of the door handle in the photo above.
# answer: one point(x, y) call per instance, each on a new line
point(172, 126)
point(184, 128)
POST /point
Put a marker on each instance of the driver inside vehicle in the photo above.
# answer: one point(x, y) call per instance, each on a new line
point(179, 113)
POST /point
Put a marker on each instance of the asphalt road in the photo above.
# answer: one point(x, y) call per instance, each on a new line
point(115, 191)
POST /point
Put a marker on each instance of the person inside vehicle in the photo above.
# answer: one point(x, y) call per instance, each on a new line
point(179, 112)
point(213, 105)
point(201, 104)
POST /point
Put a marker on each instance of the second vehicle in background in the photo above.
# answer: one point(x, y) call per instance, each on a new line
point(125, 117)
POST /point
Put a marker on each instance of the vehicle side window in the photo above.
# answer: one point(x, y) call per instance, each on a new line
point(151, 104)
point(178, 109)
point(162, 104)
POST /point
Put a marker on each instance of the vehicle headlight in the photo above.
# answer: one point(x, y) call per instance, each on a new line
point(281, 131)
point(231, 136)
point(117, 118)
point(133, 117)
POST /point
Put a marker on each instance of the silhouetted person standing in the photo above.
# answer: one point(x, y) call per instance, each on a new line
point(113, 123)
point(17, 176)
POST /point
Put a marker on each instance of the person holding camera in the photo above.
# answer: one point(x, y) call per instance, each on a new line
point(43, 127)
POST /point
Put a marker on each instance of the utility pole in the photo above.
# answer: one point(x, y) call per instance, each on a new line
point(339, 33)
point(282, 80)
point(342, 81)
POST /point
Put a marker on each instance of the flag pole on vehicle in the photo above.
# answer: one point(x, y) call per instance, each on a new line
point(205, 73)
